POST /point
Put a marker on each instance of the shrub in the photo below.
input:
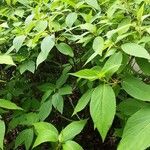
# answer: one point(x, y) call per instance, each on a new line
point(70, 64)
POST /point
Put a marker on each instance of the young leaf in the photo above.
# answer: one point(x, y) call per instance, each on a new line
point(46, 132)
point(9, 105)
point(93, 3)
point(65, 49)
point(71, 145)
point(103, 108)
point(136, 50)
point(6, 59)
point(2, 133)
point(41, 26)
point(18, 41)
point(136, 132)
point(136, 88)
point(89, 74)
point(98, 45)
point(70, 19)
point(46, 46)
point(26, 137)
point(71, 130)
point(83, 101)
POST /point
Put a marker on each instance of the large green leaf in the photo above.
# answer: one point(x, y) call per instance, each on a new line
point(9, 105)
point(46, 132)
point(103, 108)
point(136, 88)
point(71, 145)
point(83, 101)
point(136, 133)
point(136, 50)
point(46, 46)
point(6, 59)
point(72, 130)
point(2, 133)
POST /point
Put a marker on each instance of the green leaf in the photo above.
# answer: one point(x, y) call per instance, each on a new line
point(9, 105)
point(98, 45)
point(28, 65)
point(83, 101)
point(71, 18)
point(41, 26)
point(136, 132)
point(2, 133)
point(93, 3)
point(111, 65)
point(103, 108)
point(144, 65)
point(46, 46)
point(58, 102)
point(71, 145)
point(89, 74)
point(65, 49)
point(45, 110)
point(18, 42)
point(66, 90)
point(6, 59)
point(26, 137)
point(46, 132)
point(130, 106)
point(136, 88)
point(72, 130)
point(136, 50)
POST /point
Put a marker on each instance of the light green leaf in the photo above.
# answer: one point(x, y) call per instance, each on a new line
point(18, 42)
point(26, 137)
point(98, 45)
point(136, 88)
point(89, 74)
point(93, 3)
point(71, 145)
point(88, 26)
point(65, 49)
point(2, 133)
point(29, 65)
point(6, 59)
point(58, 102)
point(9, 105)
point(83, 101)
point(46, 46)
point(72, 130)
point(111, 65)
point(103, 108)
point(136, 50)
point(46, 132)
point(41, 26)
point(71, 18)
point(136, 132)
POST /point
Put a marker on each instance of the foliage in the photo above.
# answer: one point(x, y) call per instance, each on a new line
point(68, 64)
